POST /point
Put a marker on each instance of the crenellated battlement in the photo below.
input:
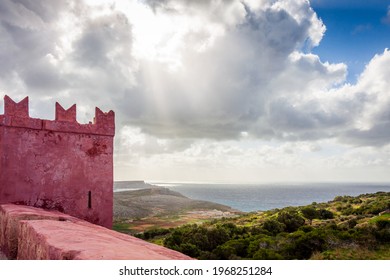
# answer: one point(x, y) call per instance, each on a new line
point(17, 115)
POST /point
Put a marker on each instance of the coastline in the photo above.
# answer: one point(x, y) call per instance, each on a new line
point(262, 197)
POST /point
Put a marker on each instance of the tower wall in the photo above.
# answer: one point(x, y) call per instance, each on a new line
point(58, 164)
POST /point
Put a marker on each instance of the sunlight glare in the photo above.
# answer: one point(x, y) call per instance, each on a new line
point(156, 37)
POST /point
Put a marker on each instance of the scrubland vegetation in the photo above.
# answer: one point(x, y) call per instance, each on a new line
point(345, 228)
point(151, 208)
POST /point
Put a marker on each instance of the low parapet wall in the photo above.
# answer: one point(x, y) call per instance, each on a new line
point(32, 233)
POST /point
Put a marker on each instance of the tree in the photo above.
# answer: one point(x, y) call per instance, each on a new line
point(233, 249)
point(190, 250)
point(291, 219)
point(309, 213)
point(324, 214)
point(273, 226)
point(302, 245)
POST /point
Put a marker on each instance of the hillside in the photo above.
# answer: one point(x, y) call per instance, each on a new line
point(133, 185)
point(344, 228)
point(141, 209)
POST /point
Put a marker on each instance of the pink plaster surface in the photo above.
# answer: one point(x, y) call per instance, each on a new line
point(40, 234)
point(58, 164)
point(10, 217)
point(58, 240)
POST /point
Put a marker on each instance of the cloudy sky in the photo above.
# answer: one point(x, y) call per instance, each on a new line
point(213, 90)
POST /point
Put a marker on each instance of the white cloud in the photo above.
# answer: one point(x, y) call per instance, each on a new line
point(179, 73)
point(216, 92)
point(371, 97)
point(194, 78)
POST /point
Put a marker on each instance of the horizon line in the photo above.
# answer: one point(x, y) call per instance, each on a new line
point(221, 182)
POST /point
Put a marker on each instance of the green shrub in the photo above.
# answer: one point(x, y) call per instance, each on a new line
point(232, 249)
point(189, 249)
point(291, 220)
point(303, 245)
point(309, 213)
point(383, 224)
point(273, 226)
point(324, 214)
point(150, 234)
point(352, 223)
point(267, 254)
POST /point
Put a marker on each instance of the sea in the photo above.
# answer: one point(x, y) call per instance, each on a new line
point(258, 197)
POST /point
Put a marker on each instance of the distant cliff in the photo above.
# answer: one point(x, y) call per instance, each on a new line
point(160, 201)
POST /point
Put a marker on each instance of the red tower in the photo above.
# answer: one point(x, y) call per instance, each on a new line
point(58, 164)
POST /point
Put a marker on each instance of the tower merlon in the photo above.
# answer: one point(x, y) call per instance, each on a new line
point(16, 109)
point(68, 115)
point(105, 122)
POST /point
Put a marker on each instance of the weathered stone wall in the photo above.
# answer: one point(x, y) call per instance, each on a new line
point(32, 233)
point(10, 217)
point(58, 164)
